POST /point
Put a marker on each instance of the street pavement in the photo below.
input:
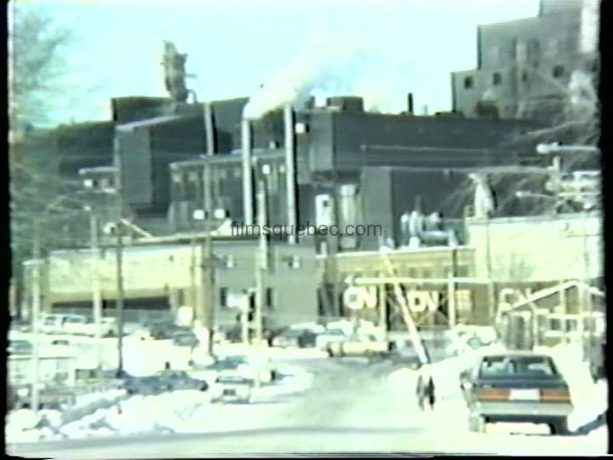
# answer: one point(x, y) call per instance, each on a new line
point(350, 407)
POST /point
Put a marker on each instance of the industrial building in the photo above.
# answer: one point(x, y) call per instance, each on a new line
point(525, 65)
point(437, 193)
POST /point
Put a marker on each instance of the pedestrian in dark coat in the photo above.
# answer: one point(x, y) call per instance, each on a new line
point(430, 392)
point(421, 391)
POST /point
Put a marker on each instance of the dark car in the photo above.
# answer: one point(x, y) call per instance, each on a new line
point(20, 347)
point(227, 363)
point(160, 330)
point(300, 338)
point(167, 380)
point(522, 387)
point(185, 339)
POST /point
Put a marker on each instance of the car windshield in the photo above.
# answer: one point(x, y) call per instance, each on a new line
point(502, 366)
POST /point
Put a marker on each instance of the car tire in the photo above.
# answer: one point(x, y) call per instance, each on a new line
point(559, 427)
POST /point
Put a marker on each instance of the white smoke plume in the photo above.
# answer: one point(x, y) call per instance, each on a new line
point(332, 66)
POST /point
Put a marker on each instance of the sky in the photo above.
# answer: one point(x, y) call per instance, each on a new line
point(382, 49)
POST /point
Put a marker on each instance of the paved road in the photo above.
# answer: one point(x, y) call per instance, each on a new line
point(349, 408)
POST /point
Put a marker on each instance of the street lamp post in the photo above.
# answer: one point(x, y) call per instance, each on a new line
point(96, 287)
point(35, 400)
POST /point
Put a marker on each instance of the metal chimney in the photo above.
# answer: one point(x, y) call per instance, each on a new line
point(410, 103)
point(290, 172)
point(247, 172)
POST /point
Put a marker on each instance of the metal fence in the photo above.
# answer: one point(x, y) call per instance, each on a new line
point(139, 316)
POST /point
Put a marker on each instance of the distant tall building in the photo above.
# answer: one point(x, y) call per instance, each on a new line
point(524, 66)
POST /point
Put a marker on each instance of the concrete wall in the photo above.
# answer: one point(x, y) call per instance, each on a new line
point(538, 248)
point(166, 271)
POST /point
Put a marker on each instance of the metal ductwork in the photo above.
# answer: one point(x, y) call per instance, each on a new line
point(290, 171)
point(247, 172)
point(418, 229)
point(410, 103)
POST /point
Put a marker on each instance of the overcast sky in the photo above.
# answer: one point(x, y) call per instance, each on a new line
point(234, 46)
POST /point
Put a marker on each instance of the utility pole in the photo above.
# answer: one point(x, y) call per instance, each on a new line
point(36, 290)
point(208, 256)
point(261, 260)
point(119, 304)
point(96, 288)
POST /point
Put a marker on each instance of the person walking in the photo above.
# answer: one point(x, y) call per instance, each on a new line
point(420, 391)
point(430, 392)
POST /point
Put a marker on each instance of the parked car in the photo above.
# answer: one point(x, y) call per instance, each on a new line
point(231, 387)
point(522, 387)
point(329, 336)
point(248, 367)
point(161, 330)
point(75, 324)
point(185, 339)
point(167, 380)
point(299, 338)
point(361, 345)
point(52, 323)
point(20, 347)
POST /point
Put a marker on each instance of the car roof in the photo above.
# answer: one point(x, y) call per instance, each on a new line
point(516, 354)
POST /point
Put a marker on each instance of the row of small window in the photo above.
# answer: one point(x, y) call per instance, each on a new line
point(224, 297)
point(531, 49)
point(229, 261)
point(220, 173)
point(557, 71)
point(196, 176)
point(427, 272)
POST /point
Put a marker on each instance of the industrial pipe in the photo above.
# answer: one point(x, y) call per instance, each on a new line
point(290, 172)
point(247, 172)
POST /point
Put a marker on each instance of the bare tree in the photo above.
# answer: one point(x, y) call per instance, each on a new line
point(36, 65)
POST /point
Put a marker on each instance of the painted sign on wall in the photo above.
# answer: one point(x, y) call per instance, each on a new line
point(418, 301)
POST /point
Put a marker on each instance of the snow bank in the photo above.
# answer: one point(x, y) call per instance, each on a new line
point(24, 425)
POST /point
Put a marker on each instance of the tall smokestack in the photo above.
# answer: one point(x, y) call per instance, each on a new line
point(208, 128)
point(247, 172)
point(290, 171)
point(410, 103)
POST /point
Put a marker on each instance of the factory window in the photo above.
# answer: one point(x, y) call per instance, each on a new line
point(192, 176)
point(534, 50)
point(426, 272)
point(496, 78)
point(223, 297)
point(270, 300)
point(461, 270)
point(468, 82)
point(294, 262)
point(177, 177)
point(237, 173)
point(558, 71)
point(222, 173)
point(524, 76)
point(228, 261)
point(412, 272)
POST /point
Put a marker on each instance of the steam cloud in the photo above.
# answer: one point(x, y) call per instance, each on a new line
point(336, 67)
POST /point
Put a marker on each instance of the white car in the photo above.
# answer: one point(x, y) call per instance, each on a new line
point(256, 369)
point(75, 324)
point(52, 323)
point(330, 336)
point(231, 387)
